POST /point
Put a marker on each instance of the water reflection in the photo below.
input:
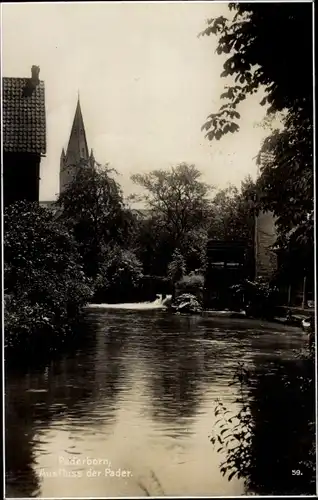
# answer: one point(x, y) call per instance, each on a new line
point(175, 371)
point(139, 390)
point(282, 403)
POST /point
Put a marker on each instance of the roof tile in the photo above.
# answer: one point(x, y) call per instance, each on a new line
point(24, 117)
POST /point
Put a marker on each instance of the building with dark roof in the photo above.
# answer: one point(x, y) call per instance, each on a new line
point(24, 136)
point(77, 152)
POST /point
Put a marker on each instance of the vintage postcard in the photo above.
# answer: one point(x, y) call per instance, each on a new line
point(159, 330)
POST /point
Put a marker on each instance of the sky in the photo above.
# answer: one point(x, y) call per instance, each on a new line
point(147, 82)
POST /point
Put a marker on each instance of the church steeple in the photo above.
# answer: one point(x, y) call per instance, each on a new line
point(77, 149)
point(92, 159)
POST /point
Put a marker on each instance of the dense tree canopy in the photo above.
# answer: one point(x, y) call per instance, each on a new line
point(153, 244)
point(232, 213)
point(269, 48)
point(179, 204)
point(93, 206)
point(178, 196)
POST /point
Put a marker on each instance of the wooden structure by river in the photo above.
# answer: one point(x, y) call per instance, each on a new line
point(228, 264)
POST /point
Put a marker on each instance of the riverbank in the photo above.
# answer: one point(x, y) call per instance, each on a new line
point(206, 313)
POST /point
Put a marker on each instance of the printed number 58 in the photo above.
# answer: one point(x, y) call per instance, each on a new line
point(296, 473)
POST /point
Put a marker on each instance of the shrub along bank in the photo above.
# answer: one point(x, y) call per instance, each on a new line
point(44, 283)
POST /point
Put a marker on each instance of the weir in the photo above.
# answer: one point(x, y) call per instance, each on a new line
point(159, 303)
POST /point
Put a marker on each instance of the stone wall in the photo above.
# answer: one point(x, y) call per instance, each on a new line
point(265, 236)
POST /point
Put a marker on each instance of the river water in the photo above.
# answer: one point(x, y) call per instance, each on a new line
point(136, 396)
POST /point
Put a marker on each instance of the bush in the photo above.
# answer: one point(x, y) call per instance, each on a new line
point(192, 281)
point(44, 281)
point(119, 276)
point(273, 429)
point(259, 297)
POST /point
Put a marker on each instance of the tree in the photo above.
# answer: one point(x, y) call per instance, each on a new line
point(264, 53)
point(153, 245)
point(286, 183)
point(93, 207)
point(269, 48)
point(232, 214)
point(177, 267)
point(44, 282)
point(195, 245)
point(178, 203)
point(119, 275)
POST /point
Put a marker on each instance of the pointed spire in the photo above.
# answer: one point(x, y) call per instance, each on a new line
point(77, 148)
point(92, 159)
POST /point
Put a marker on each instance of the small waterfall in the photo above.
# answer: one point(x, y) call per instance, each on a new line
point(159, 303)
